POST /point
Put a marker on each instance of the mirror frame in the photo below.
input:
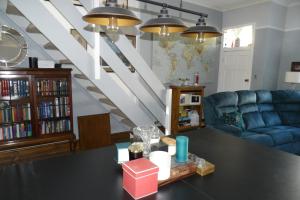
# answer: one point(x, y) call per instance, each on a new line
point(21, 45)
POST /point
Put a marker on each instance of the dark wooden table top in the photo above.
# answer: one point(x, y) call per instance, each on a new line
point(244, 171)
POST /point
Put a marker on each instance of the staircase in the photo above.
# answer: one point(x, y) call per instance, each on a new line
point(132, 94)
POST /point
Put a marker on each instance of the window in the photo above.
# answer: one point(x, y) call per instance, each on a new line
point(238, 37)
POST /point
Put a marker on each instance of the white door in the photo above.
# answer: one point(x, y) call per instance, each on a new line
point(236, 60)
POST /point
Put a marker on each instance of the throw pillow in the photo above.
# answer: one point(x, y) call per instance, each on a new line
point(234, 119)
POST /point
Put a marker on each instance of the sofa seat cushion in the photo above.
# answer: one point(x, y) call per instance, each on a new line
point(261, 139)
point(271, 118)
point(253, 120)
point(279, 136)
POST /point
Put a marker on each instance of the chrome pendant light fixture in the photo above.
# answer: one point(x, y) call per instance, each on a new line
point(111, 16)
point(163, 24)
point(201, 31)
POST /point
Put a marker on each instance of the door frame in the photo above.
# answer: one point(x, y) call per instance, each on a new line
point(233, 49)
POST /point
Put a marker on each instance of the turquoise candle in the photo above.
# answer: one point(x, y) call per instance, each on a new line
point(182, 146)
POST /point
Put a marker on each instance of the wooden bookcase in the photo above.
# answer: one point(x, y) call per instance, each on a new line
point(179, 109)
point(35, 113)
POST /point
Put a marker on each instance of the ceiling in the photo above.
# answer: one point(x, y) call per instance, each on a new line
point(224, 5)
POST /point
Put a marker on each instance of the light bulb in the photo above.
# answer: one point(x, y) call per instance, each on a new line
point(113, 24)
point(200, 38)
point(164, 31)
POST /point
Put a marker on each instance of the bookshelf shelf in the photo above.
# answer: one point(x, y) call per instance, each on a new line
point(35, 111)
point(182, 103)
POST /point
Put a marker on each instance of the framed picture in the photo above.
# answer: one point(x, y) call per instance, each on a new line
point(79, 38)
point(295, 67)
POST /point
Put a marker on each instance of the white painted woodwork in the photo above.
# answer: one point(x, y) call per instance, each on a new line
point(235, 69)
point(168, 112)
point(131, 81)
point(51, 27)
point(141, 67)
point(66, 8)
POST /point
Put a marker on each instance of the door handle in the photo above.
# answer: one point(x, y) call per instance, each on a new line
point(246, 80)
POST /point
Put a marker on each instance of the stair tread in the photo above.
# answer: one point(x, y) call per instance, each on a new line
point(65, 61)
point(50, 46)
point(128, 122)
point(32, 29)
point(81, 76)
point(108, 69)
point(118, 112)
point(94, 89)
point(107, 101)
point(11, 9)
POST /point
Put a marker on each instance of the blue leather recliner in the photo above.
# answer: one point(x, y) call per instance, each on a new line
point(271, 118)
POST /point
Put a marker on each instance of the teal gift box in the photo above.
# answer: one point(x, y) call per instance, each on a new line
point(122, 152)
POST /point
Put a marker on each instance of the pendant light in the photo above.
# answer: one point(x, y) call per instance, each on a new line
point(163, 24)
point(201, 31)
point(111, 16)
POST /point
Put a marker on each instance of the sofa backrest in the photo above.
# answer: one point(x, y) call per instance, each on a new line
point(287, 104)
point(259, 108)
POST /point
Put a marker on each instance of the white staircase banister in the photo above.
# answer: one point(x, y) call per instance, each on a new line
point(74, 18)
point(141, 67)
point(131, 80)
point(40, 16)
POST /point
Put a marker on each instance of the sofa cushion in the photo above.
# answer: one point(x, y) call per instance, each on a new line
point(234, 119)
point(228, 109)
point(253, 120)
point(286, 96)
point(224, 99)
point(265, 107)
point(246, 97)
point(280, 136)
point(246, 108)
point(264, 96)
point(271, 118)
point(261, 139)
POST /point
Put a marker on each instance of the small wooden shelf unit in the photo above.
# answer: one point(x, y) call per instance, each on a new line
point(177, 109)
point(35, 113)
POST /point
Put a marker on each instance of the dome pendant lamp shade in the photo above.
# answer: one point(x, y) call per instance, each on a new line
point(111, 16)
point(201, 31)
point(163, 24)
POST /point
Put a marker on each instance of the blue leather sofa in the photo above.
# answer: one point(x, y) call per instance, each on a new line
point(271, 118)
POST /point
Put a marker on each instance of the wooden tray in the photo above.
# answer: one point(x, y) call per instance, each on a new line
point(179, 171)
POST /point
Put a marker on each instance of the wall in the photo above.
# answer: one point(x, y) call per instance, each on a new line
point(85, 104)
point(175, 54)
point(269, 20)
point(291, 44)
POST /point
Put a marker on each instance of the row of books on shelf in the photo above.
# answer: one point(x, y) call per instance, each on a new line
point(19, 88)
point(48, 127)
point(20, 130)
point(15, 113)
point(52, 87)
point(59, 108)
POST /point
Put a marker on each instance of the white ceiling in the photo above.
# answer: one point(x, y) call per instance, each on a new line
point(224, 5)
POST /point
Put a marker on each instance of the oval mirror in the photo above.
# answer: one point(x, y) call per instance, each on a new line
point(13, 47)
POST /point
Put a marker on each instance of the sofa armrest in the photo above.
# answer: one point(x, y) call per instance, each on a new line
point(229, 129)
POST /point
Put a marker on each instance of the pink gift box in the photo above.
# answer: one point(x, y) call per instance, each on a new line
point(140, 178)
